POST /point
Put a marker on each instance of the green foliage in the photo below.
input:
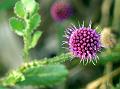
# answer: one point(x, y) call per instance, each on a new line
point(46, 72)
point(55, 60)
point(59, 59)
point(26, 23)
point(45, 75)
point(30, 5)
point(20, 10)
point(17, 25)
point(35, 39)
point(12, 78)
point(34, 22)
point(37, 7)
point(40, 75)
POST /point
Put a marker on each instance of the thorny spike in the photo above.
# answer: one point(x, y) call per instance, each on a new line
point(83, 24)
point(65, 48)
point(96, 60)
point(73, 26)
point(90, 57)
point(86, 62)
point(97, 57)
point(90, 23)
point(68, 32)
point(83, 61)
point(79, 24)
point(70, 29)
point(66, 36)
point(64, 42)
point(93, 62)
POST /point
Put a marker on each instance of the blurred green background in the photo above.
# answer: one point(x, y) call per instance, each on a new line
point(105, 13)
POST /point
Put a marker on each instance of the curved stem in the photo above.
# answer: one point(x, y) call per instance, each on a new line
point(97, 82)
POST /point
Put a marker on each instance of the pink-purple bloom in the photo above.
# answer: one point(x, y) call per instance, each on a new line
point(61, 11)
point(83, 42)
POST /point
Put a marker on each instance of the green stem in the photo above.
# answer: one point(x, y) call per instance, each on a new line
point(26, 39)
point(26, 53)
point(109, 68)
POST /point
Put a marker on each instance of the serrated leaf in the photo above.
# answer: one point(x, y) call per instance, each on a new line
point(34, 22)
point(35, 38)
point(29, 5)
point(20, 10)
point(45, 75)
point(17, 25)
point(37, 7)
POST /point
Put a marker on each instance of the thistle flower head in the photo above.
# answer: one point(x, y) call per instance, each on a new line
point(83, 42)
point(61, 11)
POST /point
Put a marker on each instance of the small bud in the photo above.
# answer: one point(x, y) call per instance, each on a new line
point(61, 11)
point(107, 38)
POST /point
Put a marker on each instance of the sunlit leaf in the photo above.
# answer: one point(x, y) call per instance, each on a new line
point(35, 38)
point(29, 5)
point(17, 25)
point(37, 7)
point(19, 9)
point(34, 22)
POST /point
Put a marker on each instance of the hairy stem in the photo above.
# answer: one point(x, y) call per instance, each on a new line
point(26, 39)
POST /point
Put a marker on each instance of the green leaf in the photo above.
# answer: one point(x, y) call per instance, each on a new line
point(45, 75)
point(17, 25)
point(30, 5)
point(37, 7)
point(35, 38)
point(19, 9)
point(34, 22)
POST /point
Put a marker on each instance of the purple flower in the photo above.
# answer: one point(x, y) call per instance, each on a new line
point(83, 42)
point(61, 11)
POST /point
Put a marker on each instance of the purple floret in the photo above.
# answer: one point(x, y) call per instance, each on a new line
point(83, 43)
